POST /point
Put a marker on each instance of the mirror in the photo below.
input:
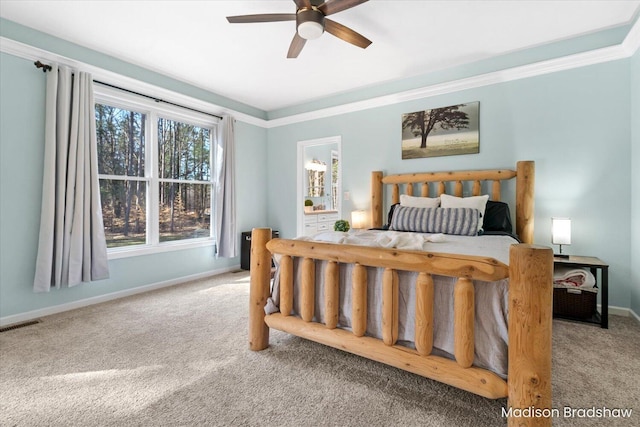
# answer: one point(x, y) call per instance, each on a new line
point(319, 185)
point(316, 170)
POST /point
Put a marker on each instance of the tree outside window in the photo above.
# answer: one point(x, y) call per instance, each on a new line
point(153, 202)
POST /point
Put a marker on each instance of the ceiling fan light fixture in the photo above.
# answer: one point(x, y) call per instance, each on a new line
point(310, 30)
point(310, 23)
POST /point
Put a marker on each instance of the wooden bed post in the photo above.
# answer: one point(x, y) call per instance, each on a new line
point(376, 199)
point(530, 318)
point(259, 288)
point(525, 181)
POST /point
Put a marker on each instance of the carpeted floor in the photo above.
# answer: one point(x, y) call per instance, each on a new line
point(179, 357)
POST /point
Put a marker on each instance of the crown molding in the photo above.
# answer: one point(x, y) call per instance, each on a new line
point(32, 53)
point(626, 49)
point(631, 42)
point(510, 74)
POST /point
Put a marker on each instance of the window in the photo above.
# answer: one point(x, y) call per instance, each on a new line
point(155, 170)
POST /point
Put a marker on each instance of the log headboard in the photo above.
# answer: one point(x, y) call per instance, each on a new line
point(524, 175)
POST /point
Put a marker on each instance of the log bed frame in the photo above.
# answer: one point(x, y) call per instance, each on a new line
point(530, 273)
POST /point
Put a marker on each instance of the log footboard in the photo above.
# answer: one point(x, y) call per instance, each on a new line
point(259, 288)
point(530, 275)
point(475, 380)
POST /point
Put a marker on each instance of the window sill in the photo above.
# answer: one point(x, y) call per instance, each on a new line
point(117, 253)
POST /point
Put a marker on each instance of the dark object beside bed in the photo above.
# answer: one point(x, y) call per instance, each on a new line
point(570, 303)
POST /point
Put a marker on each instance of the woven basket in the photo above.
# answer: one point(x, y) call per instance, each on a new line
point(581, 305)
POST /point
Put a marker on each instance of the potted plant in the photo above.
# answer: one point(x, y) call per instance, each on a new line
point(341, 225)
point(308, 205)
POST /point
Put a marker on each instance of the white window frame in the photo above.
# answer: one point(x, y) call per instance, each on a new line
point(153, 110)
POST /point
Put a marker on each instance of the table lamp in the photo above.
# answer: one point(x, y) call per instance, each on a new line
point(358, 219)
point(561, 233)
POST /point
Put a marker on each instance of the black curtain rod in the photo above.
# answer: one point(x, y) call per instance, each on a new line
point(46, 68)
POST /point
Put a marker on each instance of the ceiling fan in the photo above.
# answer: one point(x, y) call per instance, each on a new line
point(311, 22)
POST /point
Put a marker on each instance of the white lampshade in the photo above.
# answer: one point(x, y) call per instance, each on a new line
point(310, 30)
point(561, 231)
point(358, 219)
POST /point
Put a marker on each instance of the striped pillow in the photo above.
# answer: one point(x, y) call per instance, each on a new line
point(460, 221)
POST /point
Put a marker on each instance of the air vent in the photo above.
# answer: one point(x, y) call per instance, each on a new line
point(19, 325)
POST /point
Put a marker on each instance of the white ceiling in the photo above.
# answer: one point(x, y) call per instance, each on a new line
point(193, 42)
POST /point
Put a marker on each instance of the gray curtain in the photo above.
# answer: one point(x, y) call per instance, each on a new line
point(72, 247)
point(225, 194)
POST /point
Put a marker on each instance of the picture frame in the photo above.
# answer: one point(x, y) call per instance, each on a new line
point(445, 131)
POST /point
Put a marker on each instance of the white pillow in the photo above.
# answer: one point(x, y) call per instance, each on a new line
point(419, 202)
point(475, 202)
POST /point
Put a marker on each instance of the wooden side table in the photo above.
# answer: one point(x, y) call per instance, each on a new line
point(594, 264)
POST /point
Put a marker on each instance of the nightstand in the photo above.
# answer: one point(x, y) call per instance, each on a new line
point(594, 264)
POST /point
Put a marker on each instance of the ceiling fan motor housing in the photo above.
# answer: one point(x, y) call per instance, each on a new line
point(310, 23)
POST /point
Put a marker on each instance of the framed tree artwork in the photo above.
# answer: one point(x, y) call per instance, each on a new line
point(445, 131)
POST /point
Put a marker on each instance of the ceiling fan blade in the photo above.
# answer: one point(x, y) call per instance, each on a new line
point(303, 3)
point(346, 34)
point(296, 46)
point(263, 17)
point(330, 7)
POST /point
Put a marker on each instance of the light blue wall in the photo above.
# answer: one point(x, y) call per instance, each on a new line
point(21, 157)
point(635, 182)
point(574, 124)
point(580, 126)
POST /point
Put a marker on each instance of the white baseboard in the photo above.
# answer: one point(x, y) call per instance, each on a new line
point(621, 311)
point(31, 315)
point(616, 311)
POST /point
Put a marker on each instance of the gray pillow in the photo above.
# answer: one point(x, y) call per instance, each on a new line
point(459, 221)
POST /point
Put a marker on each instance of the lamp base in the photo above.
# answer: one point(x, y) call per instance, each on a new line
point(561, 256)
